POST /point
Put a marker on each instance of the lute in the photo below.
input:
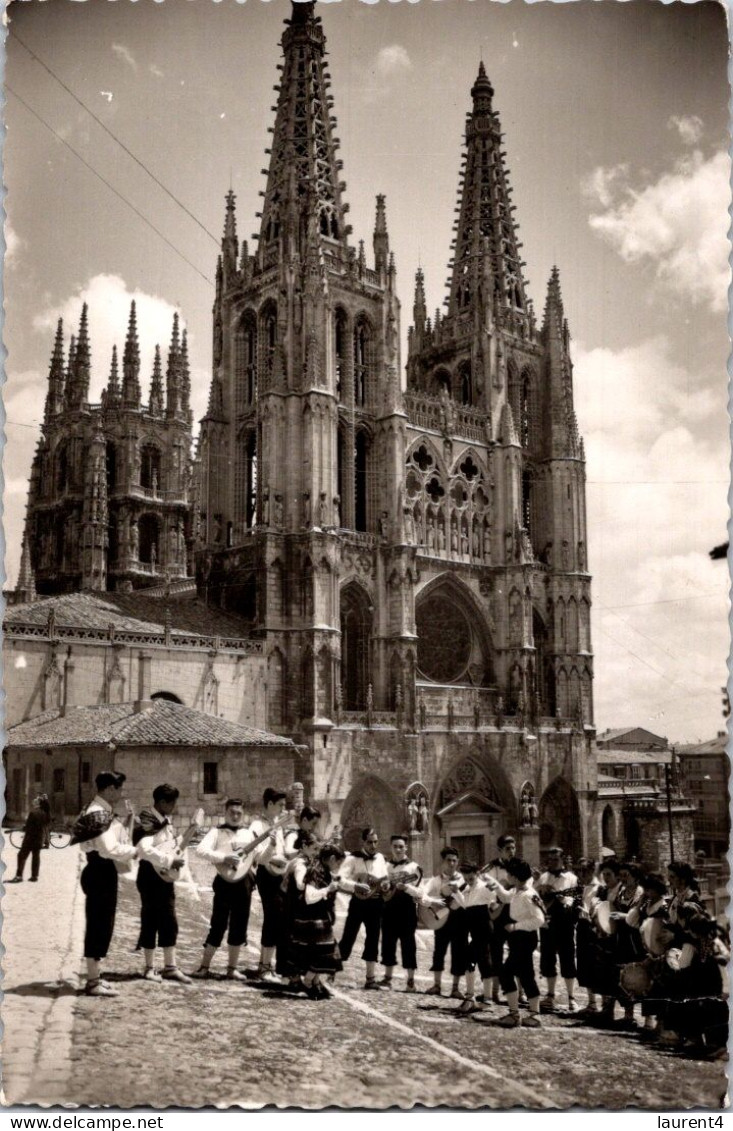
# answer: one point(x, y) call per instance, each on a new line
point(232, 873)
point(171, 874)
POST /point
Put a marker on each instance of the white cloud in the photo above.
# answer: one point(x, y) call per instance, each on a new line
point(125, 54)
point(393, 59)
point(677, 224)
point(109, 301)
point(601, 184)
point(657, 469)
point(689, 127)
point(13, 244)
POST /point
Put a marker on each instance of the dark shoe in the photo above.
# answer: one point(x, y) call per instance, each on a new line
point(324, 991)
point(372, 984)
point(34, 879)
point(433, 991)
point(314, 993)
point(457, 995)
point(547, 1005)
point(203, 972)
point(509, 1021)
point(531, 1021)
point(410, 988)
point(16, 880)
point(386, 983)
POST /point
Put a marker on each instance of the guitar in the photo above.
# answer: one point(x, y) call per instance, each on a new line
point(400, 877)
point(378, 885)
point(431, 918)
point(172, 873)
point(232, 873)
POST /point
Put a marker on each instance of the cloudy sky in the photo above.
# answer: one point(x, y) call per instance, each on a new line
point(615, 118)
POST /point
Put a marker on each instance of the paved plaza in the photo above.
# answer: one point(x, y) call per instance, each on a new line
point(224, 1044)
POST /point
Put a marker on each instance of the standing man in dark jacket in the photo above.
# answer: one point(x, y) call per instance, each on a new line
point(34, 839)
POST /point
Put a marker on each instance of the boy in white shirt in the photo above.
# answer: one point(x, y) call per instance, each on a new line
point(527, 917)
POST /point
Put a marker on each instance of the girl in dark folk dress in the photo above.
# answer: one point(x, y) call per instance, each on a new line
point(627, 945)
point(293, 889)
point(313, 949)
point(695, 1007)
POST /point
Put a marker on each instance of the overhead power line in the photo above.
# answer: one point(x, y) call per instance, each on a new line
point(111, 187)
point(114, 137)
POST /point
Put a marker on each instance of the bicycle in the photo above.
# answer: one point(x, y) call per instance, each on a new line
point(59, 838)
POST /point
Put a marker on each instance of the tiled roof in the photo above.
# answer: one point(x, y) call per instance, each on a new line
point(634, 757)
point(133, 612)
point(157, 723)
point(634, 734)
point(717, 745)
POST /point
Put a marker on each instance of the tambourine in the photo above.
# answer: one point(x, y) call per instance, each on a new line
point(603, 918)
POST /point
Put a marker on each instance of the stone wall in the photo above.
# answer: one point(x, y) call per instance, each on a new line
point(242, 772)
point(230, 684)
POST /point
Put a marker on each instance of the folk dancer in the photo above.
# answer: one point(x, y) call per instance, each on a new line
point(367, 868)
point(308, 819)
point(158, 849)
point(399, 914)
point(271, 862)
point(627, 946)
point(499, 913)
point(101, 839)
point(306, 846)
point(313, 947)
point(603, 972)
point(585, 938)
point(222, 846)
point(527, 917)
point(439, 893)
point(653, 912)
point(476, 899)
point(695, 1009)
point(557, 940)
point(34, 839)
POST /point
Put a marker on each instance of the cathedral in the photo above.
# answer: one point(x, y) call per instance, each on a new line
point(414, 559)
point(407, 551)
point(108, 506)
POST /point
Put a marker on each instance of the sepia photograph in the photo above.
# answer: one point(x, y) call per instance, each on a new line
point(365, 508)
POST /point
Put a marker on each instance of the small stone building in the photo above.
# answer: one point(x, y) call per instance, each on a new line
point(61, 751)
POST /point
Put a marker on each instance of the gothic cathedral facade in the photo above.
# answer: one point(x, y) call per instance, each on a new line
point(414, 558)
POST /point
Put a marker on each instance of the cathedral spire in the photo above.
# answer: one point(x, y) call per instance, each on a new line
point(230, 243)
point(381, 236)
point(77, 384)
point(185, 375)
point(554, 319)
point(95, 517)
point(303, 197)
point(485, 225)
point(173, 372)
point(55, 394)
point(25, 590)
point(70, 370)
point(156, 386)
point(113, 385)
point(131, 363)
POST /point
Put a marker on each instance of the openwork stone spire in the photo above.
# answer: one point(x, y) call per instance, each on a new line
point(303, 195)
point(485, 226)
point(55, 394)
point(131, 363)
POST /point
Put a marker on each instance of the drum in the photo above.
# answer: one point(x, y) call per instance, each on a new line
point(603, 918)
point(636, 979)
point(431, 918)
point(655, 936)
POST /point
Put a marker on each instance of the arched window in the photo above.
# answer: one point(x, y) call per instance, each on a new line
point(465, 383)
point(168, 696)
point(150, 467)
point(250, 478)
point(441, 381)
point(527, 501)
point(149, 534)
point(361, 481)
point(268, 327)
point(62, 468)
point(339, 351)
point(356, 621)
point(362, 346)
point(245, 362)
point(544, 671)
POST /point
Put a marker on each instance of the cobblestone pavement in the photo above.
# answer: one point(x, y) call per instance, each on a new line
point(223, 1043)
point(43, 928)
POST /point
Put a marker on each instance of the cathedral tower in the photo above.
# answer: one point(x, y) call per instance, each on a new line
point(108, 506)
point(301, 447)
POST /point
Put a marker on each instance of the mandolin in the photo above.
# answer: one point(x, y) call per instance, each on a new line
point(403, 877)
point(173, 873)
point(232, 873)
